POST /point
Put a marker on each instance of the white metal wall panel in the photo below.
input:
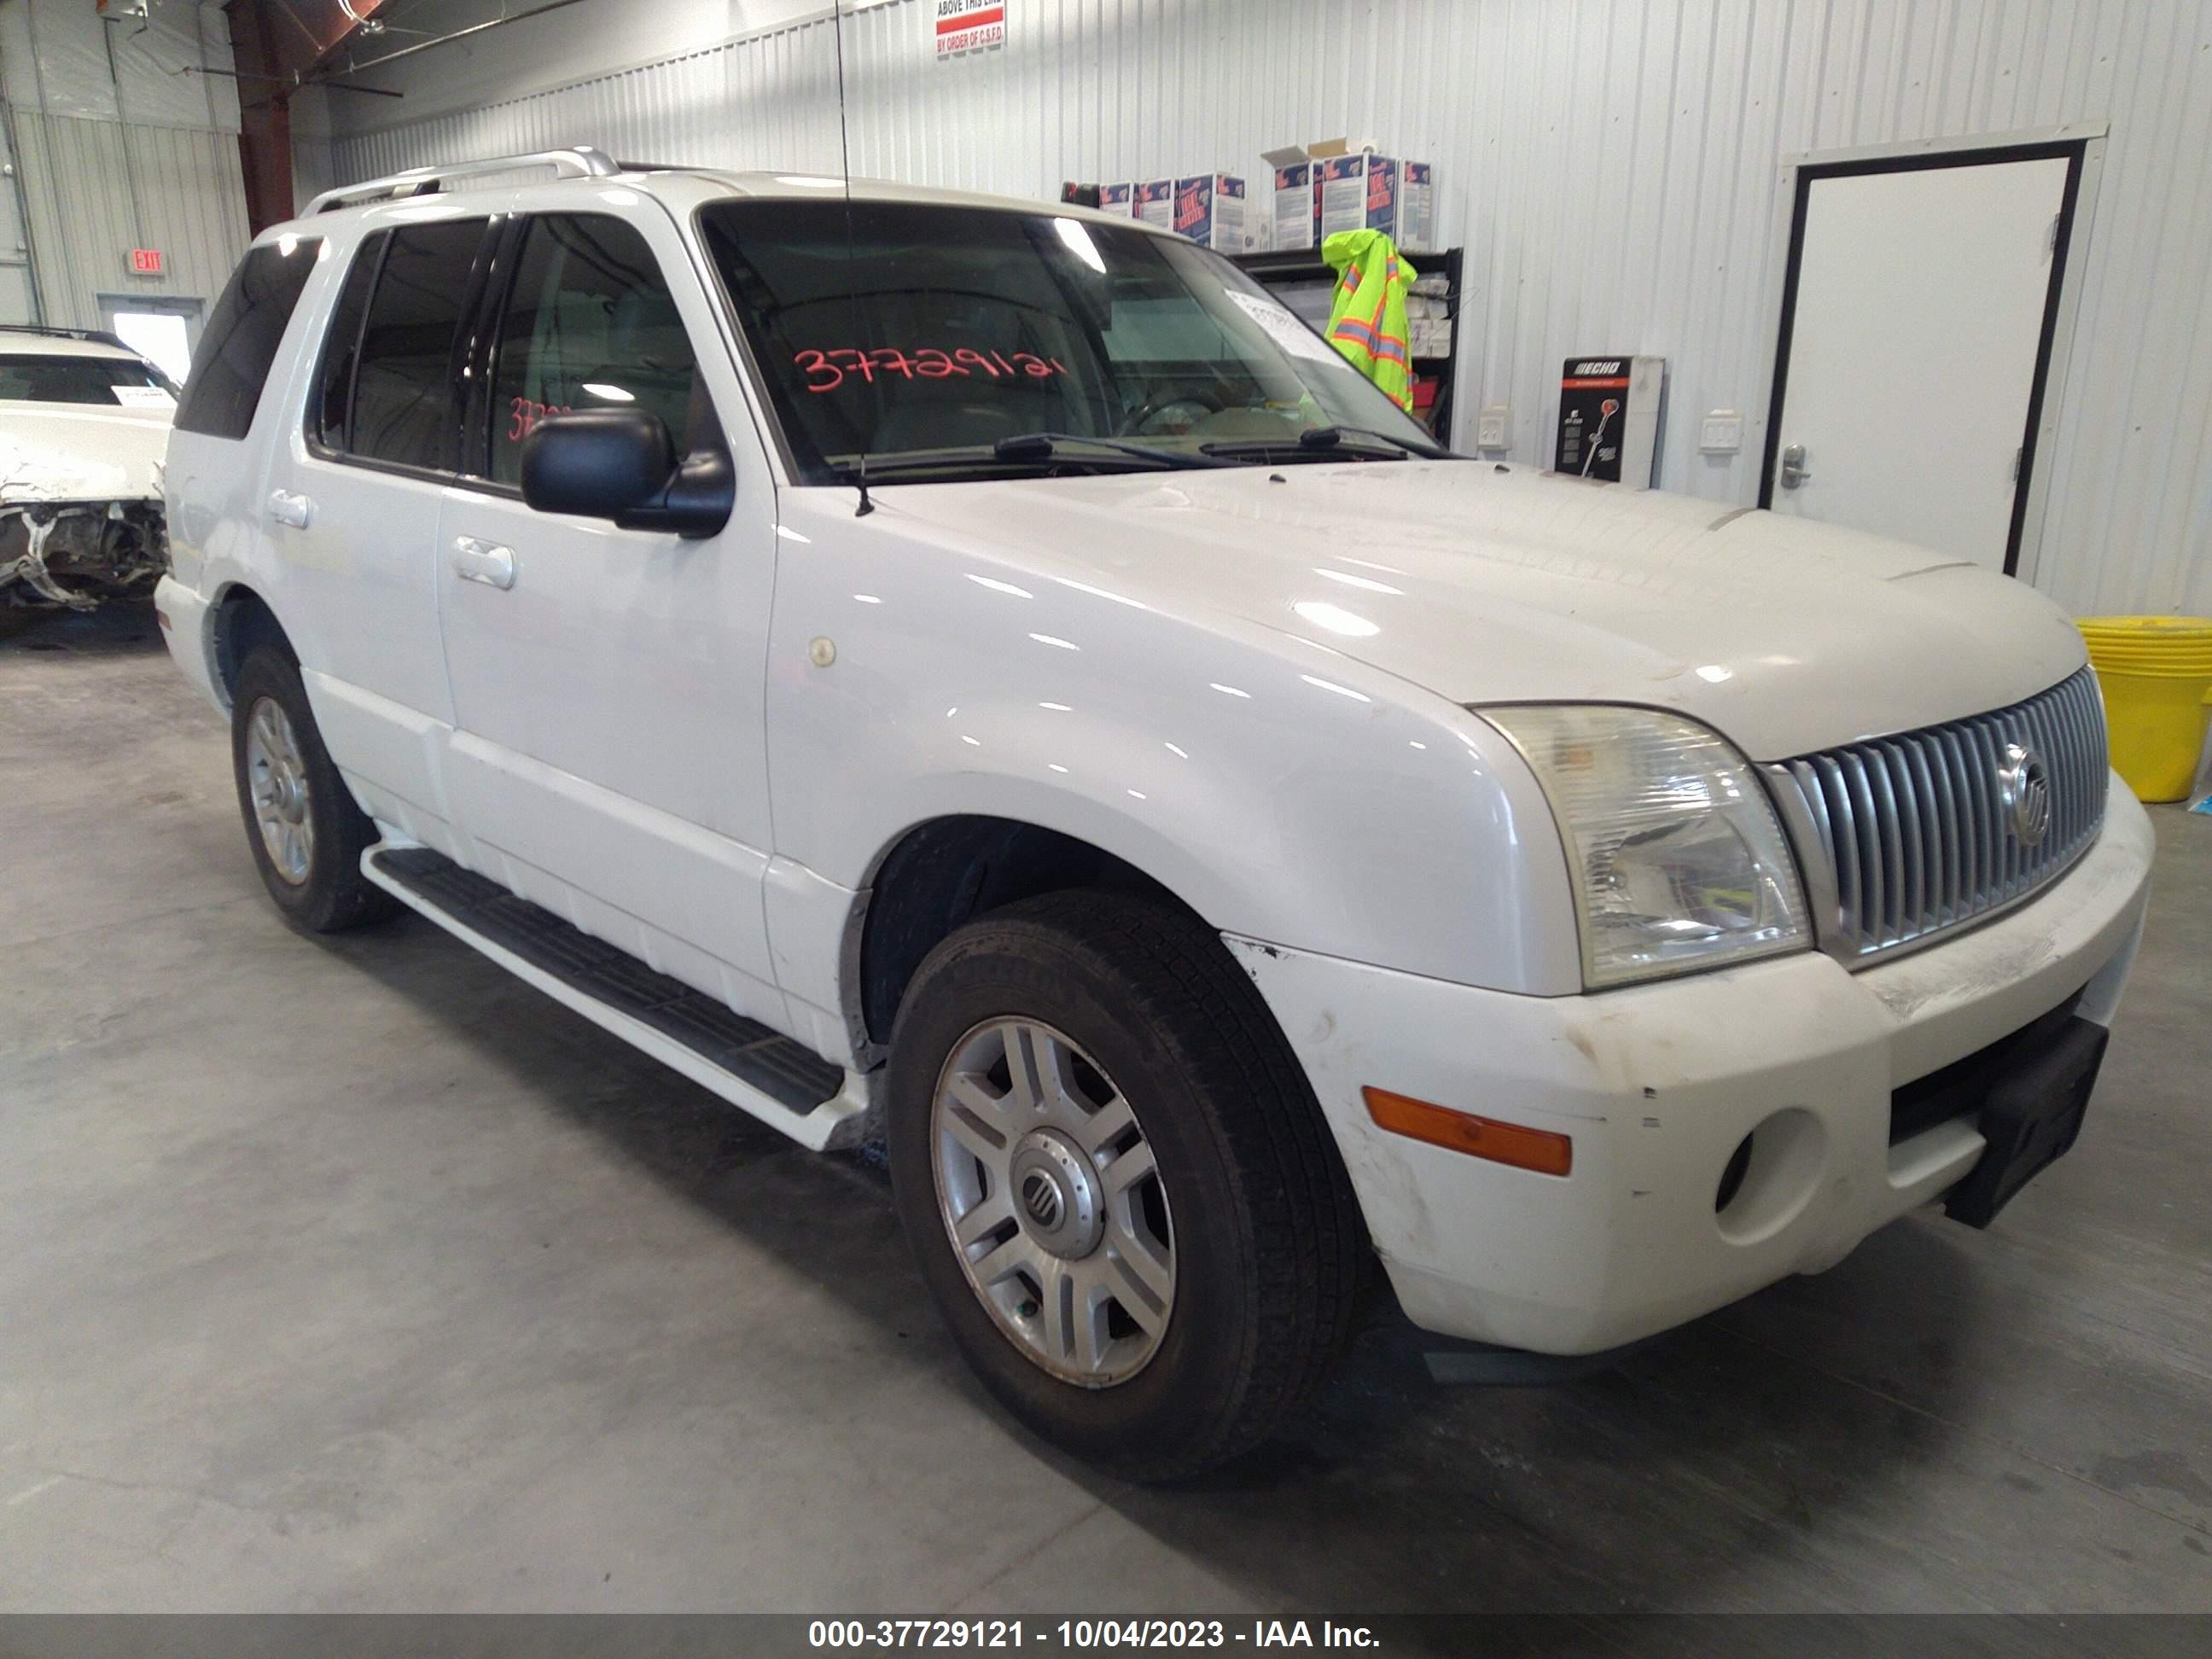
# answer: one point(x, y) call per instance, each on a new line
point(1611, 167)
point(67, 58)
point(97, 189)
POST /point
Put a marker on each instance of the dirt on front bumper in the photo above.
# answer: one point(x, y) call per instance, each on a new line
point(73, 555)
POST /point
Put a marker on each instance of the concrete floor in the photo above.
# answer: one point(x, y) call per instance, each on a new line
point(354, 1274)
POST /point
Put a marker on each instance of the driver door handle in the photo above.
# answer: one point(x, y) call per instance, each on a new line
point(484, 561)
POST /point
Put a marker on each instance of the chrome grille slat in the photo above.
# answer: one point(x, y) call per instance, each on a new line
point(1935, 842)
point(1863, 819)
point(1914, 828)
point(1912, 894)
point(1835, 813)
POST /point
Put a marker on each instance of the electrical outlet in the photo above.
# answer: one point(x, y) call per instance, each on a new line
point(1722, 433)
point(1490, 426)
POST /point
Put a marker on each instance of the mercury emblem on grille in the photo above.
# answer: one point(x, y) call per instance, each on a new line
point(2024, 787)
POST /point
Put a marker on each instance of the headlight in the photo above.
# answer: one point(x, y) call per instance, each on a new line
point(1677, 859)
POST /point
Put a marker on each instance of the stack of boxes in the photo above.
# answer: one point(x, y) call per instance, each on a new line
point(1332, 184)
point(1428, 317)
point(1308, 192)
point(1209, 208)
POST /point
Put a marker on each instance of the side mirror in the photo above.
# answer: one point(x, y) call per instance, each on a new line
point(621, 463)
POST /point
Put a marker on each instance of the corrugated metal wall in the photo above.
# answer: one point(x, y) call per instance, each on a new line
point(125, 139)
point(97, 189)
point(1610, 165)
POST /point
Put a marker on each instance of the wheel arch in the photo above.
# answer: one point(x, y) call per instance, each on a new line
point(943, 872)
point(240, 622)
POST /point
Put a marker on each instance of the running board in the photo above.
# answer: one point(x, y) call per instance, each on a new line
point(781, 1082)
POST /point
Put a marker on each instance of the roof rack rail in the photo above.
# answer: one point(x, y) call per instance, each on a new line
point(93, 335)
point(578, 163)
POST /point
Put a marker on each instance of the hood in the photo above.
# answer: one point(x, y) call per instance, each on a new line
point(1485, 584)
point(81, 453)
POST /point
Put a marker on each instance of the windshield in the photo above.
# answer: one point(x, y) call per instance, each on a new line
point(113, 382)
point(941, 332)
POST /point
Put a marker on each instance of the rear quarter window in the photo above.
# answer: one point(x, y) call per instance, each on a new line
point(240, 343)
point(405, 403)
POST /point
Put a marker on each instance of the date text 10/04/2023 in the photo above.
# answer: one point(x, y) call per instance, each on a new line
point(1084, 1634)
point(826, 371)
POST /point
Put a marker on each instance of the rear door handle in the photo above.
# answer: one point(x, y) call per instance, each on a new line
point(294, 510)
point(484, 561)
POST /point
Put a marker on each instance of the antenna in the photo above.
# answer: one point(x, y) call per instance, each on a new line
point(852, 288)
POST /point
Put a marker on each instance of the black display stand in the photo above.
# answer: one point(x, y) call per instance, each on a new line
point(1305, 265)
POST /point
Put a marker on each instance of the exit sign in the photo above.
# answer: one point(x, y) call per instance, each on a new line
point(145, 262)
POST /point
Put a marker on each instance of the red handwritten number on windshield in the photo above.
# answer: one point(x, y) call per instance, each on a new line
point(827, 370)
point(524, 414)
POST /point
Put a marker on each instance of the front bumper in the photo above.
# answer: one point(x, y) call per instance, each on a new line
point(1658, 1085)
point(73, 555)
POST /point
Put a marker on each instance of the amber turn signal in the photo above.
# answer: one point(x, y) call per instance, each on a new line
point(1540, 1149)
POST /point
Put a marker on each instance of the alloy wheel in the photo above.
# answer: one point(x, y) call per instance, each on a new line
point(1052, 1202)
point(277, 776)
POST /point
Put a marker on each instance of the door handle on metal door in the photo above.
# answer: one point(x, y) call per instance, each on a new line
point(1793, 467)
point(294, 510)
point(484, 561)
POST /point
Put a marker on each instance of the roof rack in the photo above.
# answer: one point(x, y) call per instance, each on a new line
point(92, 336)
point(578, 163)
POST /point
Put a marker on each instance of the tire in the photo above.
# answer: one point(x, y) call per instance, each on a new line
point(314, 871)
point(1267, 1251)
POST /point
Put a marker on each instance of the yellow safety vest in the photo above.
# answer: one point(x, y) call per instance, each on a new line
point(1367, 315)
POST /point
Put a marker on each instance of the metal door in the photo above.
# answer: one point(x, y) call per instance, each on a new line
point(1916, 335)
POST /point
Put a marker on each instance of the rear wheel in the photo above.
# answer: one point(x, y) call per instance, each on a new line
point(1117, 1182)
point(306, 832)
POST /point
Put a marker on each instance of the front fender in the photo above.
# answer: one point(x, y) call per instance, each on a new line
point(1285, 793)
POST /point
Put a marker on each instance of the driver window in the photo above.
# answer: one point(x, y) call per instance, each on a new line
point(590, 324)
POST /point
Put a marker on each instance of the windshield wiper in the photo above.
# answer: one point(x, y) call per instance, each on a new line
point(1321, 443)
point(1025, 445)
point(1021, 456)
point(1329, 437)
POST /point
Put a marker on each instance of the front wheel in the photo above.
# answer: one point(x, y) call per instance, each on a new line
point(1117, 1183)
point(307, 834)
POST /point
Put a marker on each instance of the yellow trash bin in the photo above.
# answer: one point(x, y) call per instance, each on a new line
point(2157, 675)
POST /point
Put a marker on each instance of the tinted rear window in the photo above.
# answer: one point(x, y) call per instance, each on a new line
point(81, 381)
point(330, 417)
point(405, 395)
point(240, 343)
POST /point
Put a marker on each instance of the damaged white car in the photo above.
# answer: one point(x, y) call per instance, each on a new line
point(84, 423)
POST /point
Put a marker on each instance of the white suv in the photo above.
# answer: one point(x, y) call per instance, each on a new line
point(984, 675)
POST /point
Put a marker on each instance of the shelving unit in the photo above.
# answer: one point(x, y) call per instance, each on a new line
point(1302, 269)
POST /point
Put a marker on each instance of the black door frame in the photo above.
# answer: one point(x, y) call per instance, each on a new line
point(2074, 152)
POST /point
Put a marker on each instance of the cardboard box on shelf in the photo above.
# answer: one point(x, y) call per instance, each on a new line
point(1209, 208)
point(1359, 189)
point(1155, 199)
point(1416, 208)
point(1430, 336)
point(1293, 217)
point(1119, 200)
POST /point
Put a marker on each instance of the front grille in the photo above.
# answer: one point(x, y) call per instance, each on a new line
point(1904, 836)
